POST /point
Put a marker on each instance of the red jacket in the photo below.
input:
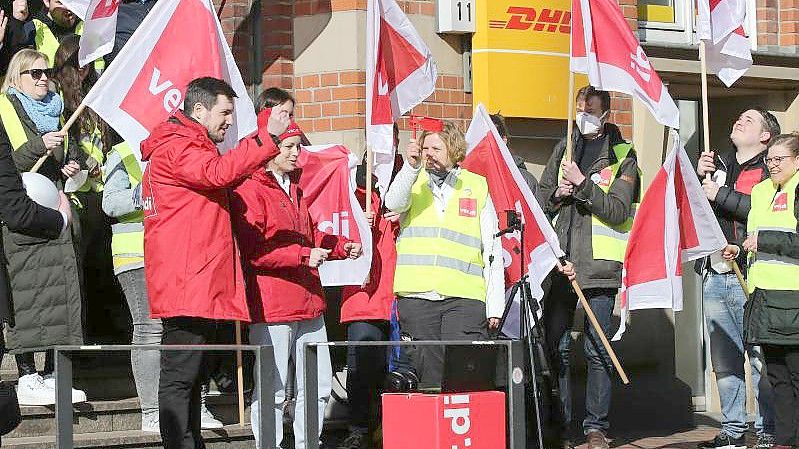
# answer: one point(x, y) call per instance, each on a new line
point(276, 236)
point(191, 262)
point(373, 301)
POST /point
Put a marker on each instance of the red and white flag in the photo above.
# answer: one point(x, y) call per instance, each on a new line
point(400, 74)
point(674, 225)
point(488, 156)
point(328, 184)
point(99, 30)
point(604, 47)
point(78, 7)
point(177, 42)
point(727, 49)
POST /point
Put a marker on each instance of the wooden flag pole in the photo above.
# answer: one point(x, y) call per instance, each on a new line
point(570, 119)
point(240, 375)
point(740, 276)
point(369, 162)
point(64, 129)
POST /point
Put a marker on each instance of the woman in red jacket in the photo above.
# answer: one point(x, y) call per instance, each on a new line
point(282, 249)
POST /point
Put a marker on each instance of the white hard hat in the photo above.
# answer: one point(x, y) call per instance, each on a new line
point(41, 189)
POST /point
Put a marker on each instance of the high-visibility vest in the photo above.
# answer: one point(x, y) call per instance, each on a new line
point(127, 242)
point(443, 252)
point(609, 242)
point(92, 146)
point(773, 210)
point(13, 124)
point(47, 43)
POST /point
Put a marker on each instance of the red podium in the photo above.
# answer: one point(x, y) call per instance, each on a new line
point(444, 421)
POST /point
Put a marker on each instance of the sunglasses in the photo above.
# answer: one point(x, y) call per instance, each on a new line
point(36, 74)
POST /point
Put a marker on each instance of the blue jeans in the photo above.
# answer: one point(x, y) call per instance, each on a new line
point(723, 301)
point(558, 317)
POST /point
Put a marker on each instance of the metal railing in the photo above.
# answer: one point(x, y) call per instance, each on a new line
point(264, 382)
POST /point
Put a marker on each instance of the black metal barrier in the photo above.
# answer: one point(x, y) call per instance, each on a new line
point(264, 380)
point(264, 372)
point(516, 419)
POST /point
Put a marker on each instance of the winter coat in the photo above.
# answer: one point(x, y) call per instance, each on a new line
point(42, 274)
point(190, 256)
point(771, 317)
point(373, 301)
point(733, 199)
point(276, 235)
point(573, 224)
point(19, 213)
point(26, 156)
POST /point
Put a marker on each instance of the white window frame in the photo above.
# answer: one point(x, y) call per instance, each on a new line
point(678, 32)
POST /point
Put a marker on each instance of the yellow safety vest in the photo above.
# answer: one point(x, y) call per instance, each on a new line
point(443, 252)
point(13, 124)
point(47, 43)
point(92, 146)
point(127, 242)
point(773, 210)
point(609, 242)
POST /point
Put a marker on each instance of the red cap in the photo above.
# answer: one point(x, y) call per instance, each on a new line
point(292, 131)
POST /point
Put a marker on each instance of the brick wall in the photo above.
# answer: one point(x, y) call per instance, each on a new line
point(789, 22)
point(621, 105)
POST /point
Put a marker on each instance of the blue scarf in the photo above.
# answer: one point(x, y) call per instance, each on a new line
point(45, 113)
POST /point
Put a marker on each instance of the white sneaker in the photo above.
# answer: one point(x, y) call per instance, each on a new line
point(207, 419)
point(150, 422)
point(31, 390)
point(77, 395)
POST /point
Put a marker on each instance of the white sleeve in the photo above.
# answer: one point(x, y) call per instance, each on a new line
point(398, 196)
point(494, 271)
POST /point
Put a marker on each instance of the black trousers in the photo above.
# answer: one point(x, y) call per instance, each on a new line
point(366, 371)
point(782, 368)
point(448, 319)
point(182, 375)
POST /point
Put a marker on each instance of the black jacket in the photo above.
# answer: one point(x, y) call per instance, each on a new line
point(772, 316)
point(733, 201)
point(573, 223)
point(529, 178)
point(19, 214)
point(129, 17)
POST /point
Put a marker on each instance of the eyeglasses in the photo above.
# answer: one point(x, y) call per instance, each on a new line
point(36, 74)
point(775, 160)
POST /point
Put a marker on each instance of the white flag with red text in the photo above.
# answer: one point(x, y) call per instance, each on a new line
point(328, 185)
point(99, 30)
point(177, 42)
point(604, 47)
point(488, 156)
point(400, 74)
point(727, 49)
point(674, 224)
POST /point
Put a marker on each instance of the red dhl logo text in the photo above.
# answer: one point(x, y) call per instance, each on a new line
point(524, 18)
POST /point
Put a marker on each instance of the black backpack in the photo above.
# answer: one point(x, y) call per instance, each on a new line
point(10, 416)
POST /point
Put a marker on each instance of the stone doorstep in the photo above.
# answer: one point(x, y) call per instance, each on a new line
point(230, 437)
point(107, 416)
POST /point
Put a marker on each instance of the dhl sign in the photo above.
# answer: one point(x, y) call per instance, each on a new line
point(524, 18)
point(520, 57)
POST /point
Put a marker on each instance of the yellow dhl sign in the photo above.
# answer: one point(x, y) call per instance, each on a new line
point(520, 57)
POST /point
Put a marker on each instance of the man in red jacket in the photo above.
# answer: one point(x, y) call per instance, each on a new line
point(192, 266)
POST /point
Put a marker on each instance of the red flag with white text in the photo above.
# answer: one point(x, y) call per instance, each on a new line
point(400, 74)
point(674, 224)
point(604, 47)
point(328, 184)
point(488, 156)
point(145, 84)
point(720, 24)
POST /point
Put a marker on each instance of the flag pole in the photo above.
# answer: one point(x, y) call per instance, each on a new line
point(240, 375)
point(369, 161)
point(64, 129)
point(595, 324)
point(570, 118)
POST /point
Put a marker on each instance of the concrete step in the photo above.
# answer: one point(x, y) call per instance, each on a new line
point(109, 416)
point(229, 437)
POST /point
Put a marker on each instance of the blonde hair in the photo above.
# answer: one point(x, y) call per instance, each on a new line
point(21, 61)
point(453, 139)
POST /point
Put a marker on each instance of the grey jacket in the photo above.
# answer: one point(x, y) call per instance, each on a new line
point(573, 215)
point(118, 199)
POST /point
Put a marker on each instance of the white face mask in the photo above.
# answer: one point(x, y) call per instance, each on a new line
point(589, 124)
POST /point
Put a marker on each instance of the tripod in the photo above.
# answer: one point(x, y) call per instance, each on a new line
point(531, 336)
